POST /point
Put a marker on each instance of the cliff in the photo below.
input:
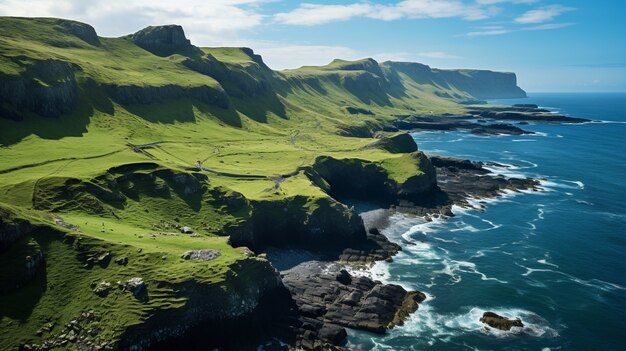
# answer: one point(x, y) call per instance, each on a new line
point(137, 172)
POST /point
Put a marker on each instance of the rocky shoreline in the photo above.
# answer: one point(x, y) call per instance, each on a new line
point(324, 298)
point(485, 120)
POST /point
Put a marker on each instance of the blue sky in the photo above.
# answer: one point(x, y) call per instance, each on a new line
point(556, 45)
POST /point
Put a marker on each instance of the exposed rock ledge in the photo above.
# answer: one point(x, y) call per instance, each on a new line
point(327, 300)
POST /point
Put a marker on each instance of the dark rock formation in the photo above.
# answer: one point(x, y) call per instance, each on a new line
point(325, 223)
point(47, 87)
point(495, 129)
point(326, 301)
point(523, 113)
point(207, 304)
point(375, 248)
point(357, 110)
point(460, 179)
point(498, 322)
point(12, 228)
point(445, 123)
point(134, 94)
point(358, 179)
point(162, 40)
point(25, 257)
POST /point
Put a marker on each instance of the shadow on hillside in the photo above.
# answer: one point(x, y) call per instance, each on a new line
point(73, 124)
point(258, 108)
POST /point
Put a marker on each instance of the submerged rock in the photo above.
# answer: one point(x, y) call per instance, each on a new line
point(496, 321)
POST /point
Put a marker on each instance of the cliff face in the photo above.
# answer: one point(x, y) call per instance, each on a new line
point(481, 84)
point(300, 221)
point(206, 304)
point(173, 68)
point(46, 87)
point(359, 179)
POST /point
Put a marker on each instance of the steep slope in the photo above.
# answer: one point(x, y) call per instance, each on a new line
point(143, 148)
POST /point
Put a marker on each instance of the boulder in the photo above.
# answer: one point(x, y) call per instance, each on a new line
point(135, 285)
point(200, 255)
point(102, 289)
point(186, 230)
point(498, 322)
point(343, 277)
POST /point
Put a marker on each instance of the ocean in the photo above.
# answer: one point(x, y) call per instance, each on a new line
point(554, 258)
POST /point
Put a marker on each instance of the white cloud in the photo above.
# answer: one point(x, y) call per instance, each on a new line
point(493, 2)
point(488, 32)
point(313, 14)
point(205, 22)
point(499, 30)
point(280, 56)
point(543, 14)
point(548, 26)
point(438, 55)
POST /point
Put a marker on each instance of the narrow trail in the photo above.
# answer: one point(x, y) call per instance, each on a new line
point(31, 165)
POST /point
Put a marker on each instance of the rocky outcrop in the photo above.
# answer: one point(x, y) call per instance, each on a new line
point(206, 303)
point(12, 228)
point(302, 221)
point(135, 94)
point(326, 302)
point(162, 40)
point(446, 123)
point(461, 179)
point(359, 179)
point(526, 115)
point(241, 81)
point(396, 144)
point(80, 30)
point(46, 87)
point(498, 322)
point(25, 258)
point(200, 255)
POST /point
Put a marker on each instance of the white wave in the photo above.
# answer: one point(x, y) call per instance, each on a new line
point(608, 122)
point(583, 202)
point(445, 240)
point(543, 261)
point(532, 164)
point(523, 140)
point(580, 184)
point(534, 325)
point(592, 283)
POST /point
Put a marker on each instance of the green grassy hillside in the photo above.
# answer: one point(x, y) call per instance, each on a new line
point(99, 141)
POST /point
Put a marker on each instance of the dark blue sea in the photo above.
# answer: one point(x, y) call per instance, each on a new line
point(554, 258)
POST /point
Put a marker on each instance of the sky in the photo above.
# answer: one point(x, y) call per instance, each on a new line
point(552, 45)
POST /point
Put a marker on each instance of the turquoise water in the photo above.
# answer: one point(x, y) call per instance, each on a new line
point(556, 259)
